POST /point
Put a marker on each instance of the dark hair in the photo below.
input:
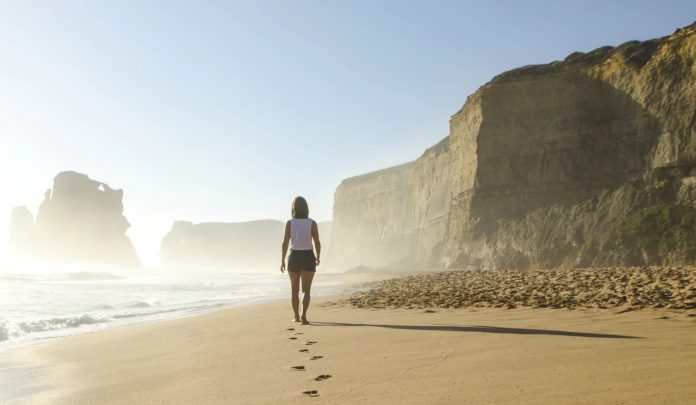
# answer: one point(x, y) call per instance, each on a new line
point(300, 208)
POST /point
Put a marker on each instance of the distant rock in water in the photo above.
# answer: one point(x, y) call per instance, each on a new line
point(80, 221)
point(590, 161)
point(249, 245)
point(22, 231)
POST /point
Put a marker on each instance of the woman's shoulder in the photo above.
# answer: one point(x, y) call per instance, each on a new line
point(291, 220)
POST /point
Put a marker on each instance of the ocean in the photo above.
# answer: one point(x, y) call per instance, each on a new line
point(35, 306)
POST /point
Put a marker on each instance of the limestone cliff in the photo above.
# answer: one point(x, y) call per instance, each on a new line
point(80, 221)
point(253, 245)
point(586, 161)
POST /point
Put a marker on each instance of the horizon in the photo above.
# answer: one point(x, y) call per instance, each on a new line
point(181, 124)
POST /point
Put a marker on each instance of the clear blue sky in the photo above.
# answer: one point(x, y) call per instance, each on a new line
point(225, 110)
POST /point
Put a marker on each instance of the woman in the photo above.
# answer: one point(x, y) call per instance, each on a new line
point(300, 231)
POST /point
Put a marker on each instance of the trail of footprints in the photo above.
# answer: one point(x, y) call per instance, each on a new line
point(321, 377)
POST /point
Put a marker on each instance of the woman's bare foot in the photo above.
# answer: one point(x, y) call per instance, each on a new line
point(297, 319)
point(305, 321)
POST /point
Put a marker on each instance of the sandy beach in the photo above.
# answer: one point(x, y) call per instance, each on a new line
point(486, 355)
point(491, 202)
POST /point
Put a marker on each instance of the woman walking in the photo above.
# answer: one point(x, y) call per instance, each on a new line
point(300, 231)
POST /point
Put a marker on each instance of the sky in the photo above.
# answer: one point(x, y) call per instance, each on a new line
point(226, 110)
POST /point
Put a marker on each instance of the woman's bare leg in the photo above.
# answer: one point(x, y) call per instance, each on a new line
point(295, 290)
point(307, 277)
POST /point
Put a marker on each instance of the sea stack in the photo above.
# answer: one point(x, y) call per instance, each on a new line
point(80, 221)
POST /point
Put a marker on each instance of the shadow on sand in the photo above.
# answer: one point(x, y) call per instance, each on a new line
point(484, 329)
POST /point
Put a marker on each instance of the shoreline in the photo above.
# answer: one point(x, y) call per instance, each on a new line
point(329, 284)
point(245, 354)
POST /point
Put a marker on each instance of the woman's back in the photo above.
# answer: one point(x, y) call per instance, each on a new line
point(301, 234)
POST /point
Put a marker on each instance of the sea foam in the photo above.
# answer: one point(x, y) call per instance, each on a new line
point(35, 306)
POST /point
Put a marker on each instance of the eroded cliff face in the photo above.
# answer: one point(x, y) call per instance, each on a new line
point(80, 221)
point(564, 164)
point(253, 245)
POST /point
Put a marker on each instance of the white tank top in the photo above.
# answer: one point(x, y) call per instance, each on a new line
point(301, 234)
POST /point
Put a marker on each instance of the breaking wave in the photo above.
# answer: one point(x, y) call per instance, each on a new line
point(9, 329)
point(36, 306)
point(20, 330)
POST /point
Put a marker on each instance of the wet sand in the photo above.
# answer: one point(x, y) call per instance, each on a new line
point(254, 354)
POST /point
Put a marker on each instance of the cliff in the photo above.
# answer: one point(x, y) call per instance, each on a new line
point(80, 221)
point(243, 245)
point(582, 162)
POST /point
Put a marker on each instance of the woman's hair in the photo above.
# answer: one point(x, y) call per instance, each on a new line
point(300, 208)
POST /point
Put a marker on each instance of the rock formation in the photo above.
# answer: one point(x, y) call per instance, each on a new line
point(22, 232)
point(80, 221)
point(250, 245)
point(583, 162)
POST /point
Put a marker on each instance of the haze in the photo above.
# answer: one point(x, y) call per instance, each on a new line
point(224, 111)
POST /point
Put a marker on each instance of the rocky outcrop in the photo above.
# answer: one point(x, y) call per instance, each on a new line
point(22, 232)
point(80, 221)
point(243, 245)
point(573, 163)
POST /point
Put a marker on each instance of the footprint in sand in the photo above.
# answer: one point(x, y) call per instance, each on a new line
point(290, 329)
point(298, 333)
point(317, 357)
point(292, 338)
point(311, 342)
point(298, 368)
point(323, 377)
point(311, 393)
point(304, 350)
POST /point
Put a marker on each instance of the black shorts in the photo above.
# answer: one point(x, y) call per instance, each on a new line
point(302, 260)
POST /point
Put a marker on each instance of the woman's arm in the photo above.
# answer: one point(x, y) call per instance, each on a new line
point(317, 244)
point(284, 247)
